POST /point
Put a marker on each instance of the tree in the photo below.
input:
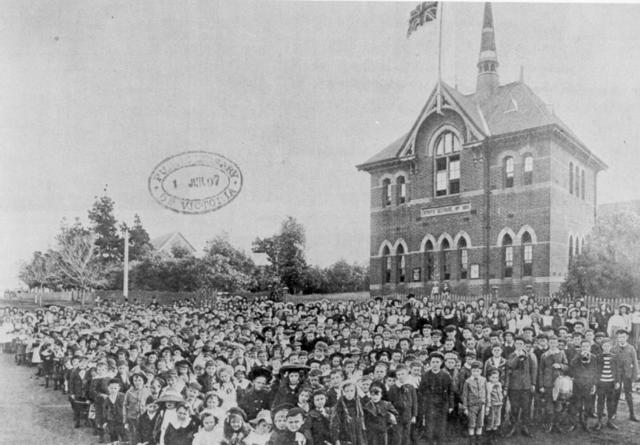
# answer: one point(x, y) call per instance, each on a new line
point(139, 241)
point(228, 269)
point(103, 223)
point(36, 273)
point(609, 264)
point(285, 253)
point(76, 257)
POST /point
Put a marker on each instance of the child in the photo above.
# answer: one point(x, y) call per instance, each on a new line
point(404, 399)
point(181, 430)
point(347, 421)
point(208, 434)
point(474, 399)
point(379, 417)
point(261, 429)
point(146, 423)
point(235, 428)
point(134, 403)
point(292, 435)
point(607, 384)
point(495, 396)
point(317, 422)
point(113, 410)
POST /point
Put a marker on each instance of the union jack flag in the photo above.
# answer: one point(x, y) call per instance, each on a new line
point(423, 13)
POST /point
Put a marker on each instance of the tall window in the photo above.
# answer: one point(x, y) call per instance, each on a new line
point(428, 259)
point(570, 247)
point(402, 190)
point(582, 184)
point(507, 246)
point(528, 170)
point(576, 248)
point(386, 192)
point(508, 172)
point(400, 264)
point(446, 270)
point(386, 264)
point(464, 258)
point(577, 179)
point(571, 177)
point(527, 255)
point(447, 164)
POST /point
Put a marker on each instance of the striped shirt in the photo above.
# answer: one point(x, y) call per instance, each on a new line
point(607, 373)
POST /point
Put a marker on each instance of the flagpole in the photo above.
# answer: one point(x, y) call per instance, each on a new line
point(439, 89)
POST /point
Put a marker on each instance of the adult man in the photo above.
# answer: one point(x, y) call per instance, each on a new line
point(627, 359)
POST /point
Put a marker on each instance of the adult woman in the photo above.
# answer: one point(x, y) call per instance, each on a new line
point(347, 421)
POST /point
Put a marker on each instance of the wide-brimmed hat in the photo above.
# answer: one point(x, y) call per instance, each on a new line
point(171, 396)
point(293, 367)
point(259, 371)
point(262, 415)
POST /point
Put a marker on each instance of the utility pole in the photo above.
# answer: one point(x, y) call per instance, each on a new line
point(125, 280)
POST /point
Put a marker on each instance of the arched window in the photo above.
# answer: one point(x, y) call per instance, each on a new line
point(507, 247)
point(576, 248)
point(386, 192)
point(445, 253)
point(386, 265)
point(464, 258)
point(508, 172)
point(582, 184)
point(447, 164)
point(428, 261)
point(577, 179)
point(528, 170)
point(527, 255)
point(571, 178)
point(400, 264)
point(401, 190)
point(570, 247)
point(582, 246)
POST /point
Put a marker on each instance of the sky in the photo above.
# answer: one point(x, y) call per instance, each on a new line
point(96, 94)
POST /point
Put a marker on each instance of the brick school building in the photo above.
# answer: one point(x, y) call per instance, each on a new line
point(488, 192)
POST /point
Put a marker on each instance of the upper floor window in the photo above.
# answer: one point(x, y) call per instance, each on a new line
point(508, 172)
point(582, 184)
point(447, 164)
point(571, 178)
point(528, 170)
point(402, 190)
point(577, 179)
point(386, 192)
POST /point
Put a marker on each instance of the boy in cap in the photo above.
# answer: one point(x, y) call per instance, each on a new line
point(113, 411)
point(380, 416)
point(474, 400)
point(627, 359)
point(435, 399)
point(607, 384)
point(404, 399)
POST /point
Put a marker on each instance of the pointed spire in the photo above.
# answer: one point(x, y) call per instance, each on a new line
point(488, 80)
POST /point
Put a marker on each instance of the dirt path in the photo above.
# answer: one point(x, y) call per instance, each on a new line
point(34, 415)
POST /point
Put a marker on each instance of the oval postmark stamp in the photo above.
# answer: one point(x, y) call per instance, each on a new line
point(195, 182)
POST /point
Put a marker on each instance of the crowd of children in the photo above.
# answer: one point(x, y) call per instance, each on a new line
point(255, 372)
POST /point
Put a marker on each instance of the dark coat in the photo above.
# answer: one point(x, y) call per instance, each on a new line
point(347, 422)
point(146, 426)
point(317, 424)
point(180, 436)
point(377, 416)
point(253, 401)
point(114, 411)
point(405, 401)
